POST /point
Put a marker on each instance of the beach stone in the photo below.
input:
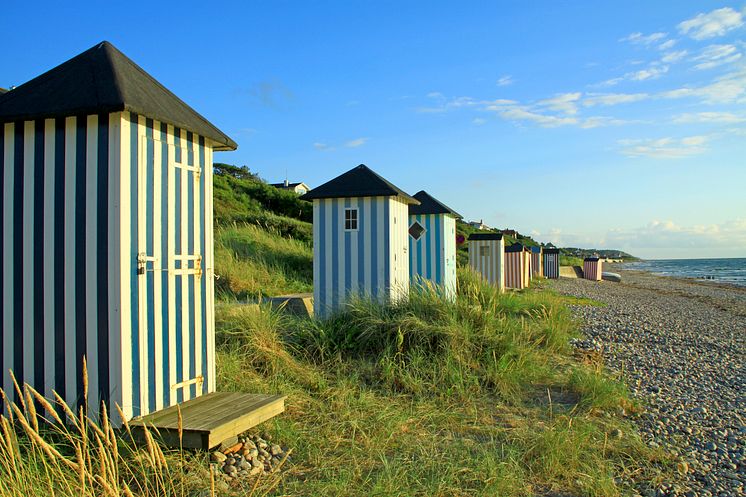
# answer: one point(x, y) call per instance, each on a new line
point(218, 457)
point(275, 449)
point(229, 469)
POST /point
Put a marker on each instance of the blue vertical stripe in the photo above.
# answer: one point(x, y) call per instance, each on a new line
point(38, 269)
point(60, 358)
point(373, 283)
point(439, 253)
point(322, 305)
point(166, 172)
point(18, 321)
point(191, 279)
point(150, 251)
point(334, 298)
point(203, 243)
point(3, 367)
point(420, 247)
point(178, 173)
point(80, 258)
point(428, 249)
point(361, 241)
point(102, 281)
point(135, 339)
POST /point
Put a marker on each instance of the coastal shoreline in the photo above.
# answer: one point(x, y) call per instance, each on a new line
point(680, 345)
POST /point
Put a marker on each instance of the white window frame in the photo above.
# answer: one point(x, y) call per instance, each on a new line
point(356, 219)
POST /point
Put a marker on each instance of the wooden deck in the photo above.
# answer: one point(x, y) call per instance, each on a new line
point(212, 419)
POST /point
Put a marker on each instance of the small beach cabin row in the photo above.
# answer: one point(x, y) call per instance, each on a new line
point(371, 238)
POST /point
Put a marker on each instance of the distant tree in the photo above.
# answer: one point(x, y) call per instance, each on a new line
point(237, 172)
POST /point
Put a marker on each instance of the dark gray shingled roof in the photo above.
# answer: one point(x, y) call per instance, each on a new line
point(359, 181)
point(430, 205)
point(486, 236)
point(517, 247)
point(103, 79)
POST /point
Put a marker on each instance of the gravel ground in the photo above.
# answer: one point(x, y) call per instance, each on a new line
point(680, 345)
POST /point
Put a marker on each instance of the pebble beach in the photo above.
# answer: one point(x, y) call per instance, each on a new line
point(680, 345)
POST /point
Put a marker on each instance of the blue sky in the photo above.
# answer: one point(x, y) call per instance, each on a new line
point(595, 124)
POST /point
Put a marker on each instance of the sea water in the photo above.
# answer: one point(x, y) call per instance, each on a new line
point(731, 271)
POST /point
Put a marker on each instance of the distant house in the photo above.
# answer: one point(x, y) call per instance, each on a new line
point(479, 225)
point(432, 243)
point(3, 90)
point(299, 188)
point(360, 240)
point(512, 233)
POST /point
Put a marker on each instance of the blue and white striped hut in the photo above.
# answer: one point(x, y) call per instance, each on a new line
point(359, 240)
point(551, 262)
point(432, 242)
point(487, 257)
point(107, 250)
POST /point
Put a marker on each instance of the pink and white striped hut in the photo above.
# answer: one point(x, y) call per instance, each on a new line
point(517, 266)
point(592, 268)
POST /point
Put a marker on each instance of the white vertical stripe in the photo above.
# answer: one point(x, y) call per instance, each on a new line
point(209, 254)
point(91, 254)
point(142, 324)
point(115, 287)
point(49, 263)
point(8, 288)
point(197, 280)
point(28, 252)
point(170, 263)
point(158, 172)
point(71, 359)
point(353, 255)
point(186, 332)
point(341, 296)
point(125, 265)
point(367, 256)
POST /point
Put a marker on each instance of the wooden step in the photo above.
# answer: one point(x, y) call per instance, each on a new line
point(211, 419)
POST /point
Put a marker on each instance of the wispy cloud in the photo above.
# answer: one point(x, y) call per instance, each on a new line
point(608, 99)
point(565, 103)
point(729, 88)
point(667, 45)
point(641, 39)
point(709, 117)
point(664, 148)
point(441, 103)
point(715, 23)
point(322, 146)
point(505, 80)
point(671, 57)
point(652, 72)
point(716, 55)
point(357, 142)
point(478, 121)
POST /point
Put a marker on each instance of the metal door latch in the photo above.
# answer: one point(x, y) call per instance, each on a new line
point(142, 260)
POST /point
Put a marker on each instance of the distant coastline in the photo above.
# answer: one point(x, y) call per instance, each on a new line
point(721, 270)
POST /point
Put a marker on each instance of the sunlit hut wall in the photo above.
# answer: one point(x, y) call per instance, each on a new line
point(487, 257)
point(551, 262)
point(537, 268)
point(592, 268)
point(432, 243)
point(517, 266)
point(359, 240)
point(106, 236)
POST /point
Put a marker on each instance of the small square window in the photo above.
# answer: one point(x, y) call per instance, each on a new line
point(350, 219)
point(484, 251)
point(416, 230)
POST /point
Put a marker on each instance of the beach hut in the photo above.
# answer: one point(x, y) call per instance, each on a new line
point(106, 250)
point(360, 246)
point(592, 268)
point(517, 266)
point(487, 257)
point(551, 262)
point(537, 256)
point(432, 242)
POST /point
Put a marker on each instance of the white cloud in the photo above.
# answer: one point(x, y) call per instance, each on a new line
point(357, 142)
point(667, 45)
point(607, 99)
point(652, 72)
point(479, 121)
point(443, 103)
point(671, 57)
point(544, 120)
point(717, 55)
point(566, 103)
point(729, 88)
point(321, 146)
point(601, 121)
point(715, 23)
point(641, 39)
point(505, 80)
point(709, 117)
point(664, 148)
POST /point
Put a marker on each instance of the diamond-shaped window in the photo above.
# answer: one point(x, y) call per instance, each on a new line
point(416, 230)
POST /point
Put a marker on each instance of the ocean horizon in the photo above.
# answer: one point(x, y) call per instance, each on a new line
point(727, 270)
